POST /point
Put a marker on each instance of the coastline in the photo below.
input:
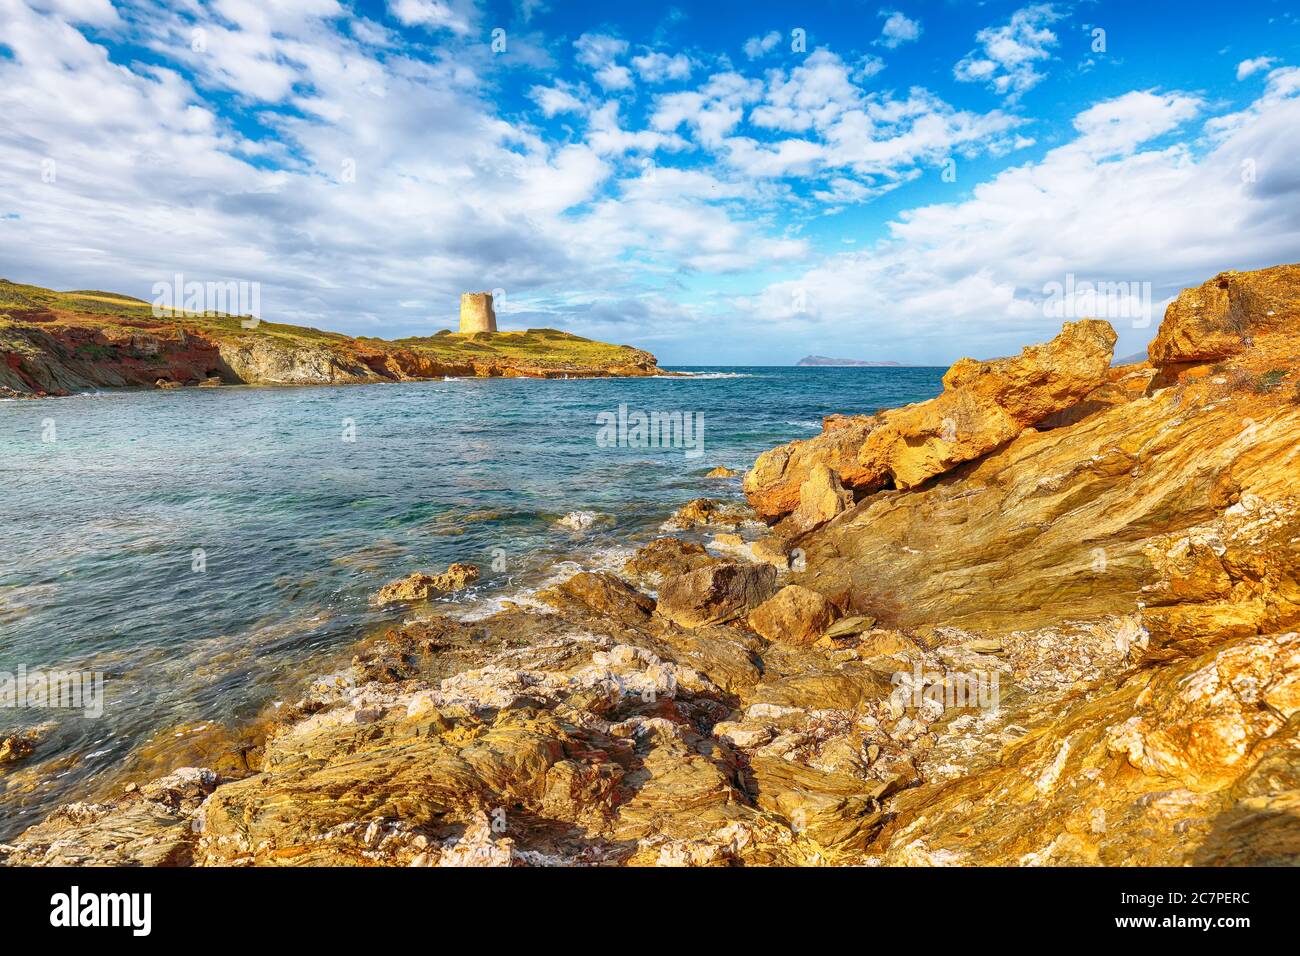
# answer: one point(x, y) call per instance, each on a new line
point(1107, 547)
point(56, 344)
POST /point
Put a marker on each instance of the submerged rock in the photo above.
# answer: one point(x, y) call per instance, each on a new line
point(420, 586)
point(711, 513)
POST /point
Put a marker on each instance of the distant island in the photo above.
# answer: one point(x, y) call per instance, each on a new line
point(822, 360)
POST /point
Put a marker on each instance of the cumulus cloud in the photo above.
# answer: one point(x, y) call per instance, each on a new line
point(458, 16)
point(1250, 67)
point(561, 98)
point(383, 179)
point(836, 126)
point(365, 180)
point(655, 67)
point(758, 46)
point(898, 29)
point(1008, 55)
point(1109, 205)
point(600, 51)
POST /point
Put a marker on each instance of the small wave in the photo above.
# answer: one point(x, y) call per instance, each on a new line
point(610, 558)
point(704, 375)
point(585, 520)
point(805, 424)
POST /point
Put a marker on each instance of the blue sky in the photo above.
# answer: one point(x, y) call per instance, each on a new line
point(722, 183)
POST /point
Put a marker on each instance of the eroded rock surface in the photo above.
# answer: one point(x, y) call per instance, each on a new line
point(1077, 648)
point(983, 405)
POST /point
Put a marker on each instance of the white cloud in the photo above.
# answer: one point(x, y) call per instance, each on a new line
point(96, 12)
point(561, 98)
point(599, 51)
point(712, 111)
point(877, 136)
point(757, 46)
point(458, 16)
point(606, 136)
point(1118, 126)
point(657, 67)
point(1008, 54)
point(898, 29)
point(613, 76)
point(1249, 67)
point(968, 276)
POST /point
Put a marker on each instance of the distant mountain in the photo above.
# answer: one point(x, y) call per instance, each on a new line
point(821, 360)
point(1134, 359)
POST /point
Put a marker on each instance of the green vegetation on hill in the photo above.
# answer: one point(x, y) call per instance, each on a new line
point(24, 304)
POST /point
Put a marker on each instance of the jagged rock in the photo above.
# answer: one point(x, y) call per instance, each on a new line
point(1182, 764)
point(983, 405)
point(795, 615)
point(708, 512)
point(716, 593)
point(849, 626)
point(771, 550)
point(821, 497)
point(722, 472)
point(1221, 317)
point(1236, 577)
point(602, 593)
point(665, 557)
point(150, 825)
point(419, 586)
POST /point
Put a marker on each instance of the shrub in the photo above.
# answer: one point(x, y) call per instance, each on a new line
point(1269, 381)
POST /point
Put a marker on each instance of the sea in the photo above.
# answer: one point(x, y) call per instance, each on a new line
point(199, 555)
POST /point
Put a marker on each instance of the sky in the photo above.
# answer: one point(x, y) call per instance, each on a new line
point(722, 183)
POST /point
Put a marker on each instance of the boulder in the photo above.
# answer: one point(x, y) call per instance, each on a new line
point(419, 586)
point(1221, 317)
point(983, 405)
point(771, 550)
point(710, 513)
point(794, 615)
point(722, 472)
point(821, 497)
point(603, 593)
point(665, 557)
point(716, 593)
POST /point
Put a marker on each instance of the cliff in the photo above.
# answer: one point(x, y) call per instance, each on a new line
point(56, 343)
point(1108, 560)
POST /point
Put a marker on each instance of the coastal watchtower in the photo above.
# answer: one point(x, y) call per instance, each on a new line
point(476, 314)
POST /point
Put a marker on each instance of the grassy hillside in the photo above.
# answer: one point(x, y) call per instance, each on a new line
point(25, 305)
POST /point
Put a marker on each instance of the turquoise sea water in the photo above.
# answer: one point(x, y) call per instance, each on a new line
point(297, 527)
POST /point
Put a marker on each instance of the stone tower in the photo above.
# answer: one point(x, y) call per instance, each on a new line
point(476, 314)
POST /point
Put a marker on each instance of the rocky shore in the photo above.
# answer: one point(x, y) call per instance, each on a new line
point(55, 343)
point(1046, 618)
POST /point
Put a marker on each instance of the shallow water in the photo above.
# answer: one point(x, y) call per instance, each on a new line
point(297, 527)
